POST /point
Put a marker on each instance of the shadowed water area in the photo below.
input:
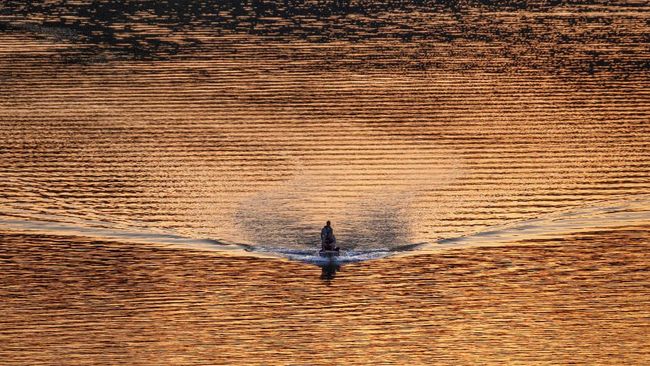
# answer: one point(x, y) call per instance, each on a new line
point(166, 167)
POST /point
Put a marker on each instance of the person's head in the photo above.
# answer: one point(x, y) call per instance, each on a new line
point(328, 223)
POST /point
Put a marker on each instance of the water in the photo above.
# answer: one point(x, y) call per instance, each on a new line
point(165, 169)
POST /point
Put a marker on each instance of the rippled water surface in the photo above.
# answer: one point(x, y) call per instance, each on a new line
point(165, 169)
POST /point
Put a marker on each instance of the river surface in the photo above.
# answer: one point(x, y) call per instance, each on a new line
point(166, 167)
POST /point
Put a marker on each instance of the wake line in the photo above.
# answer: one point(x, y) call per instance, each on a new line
point(131, 236)
point(623, 214)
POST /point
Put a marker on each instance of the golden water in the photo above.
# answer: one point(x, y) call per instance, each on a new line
point(139, 142)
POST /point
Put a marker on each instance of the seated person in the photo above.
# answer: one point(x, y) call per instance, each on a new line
point(327, 239)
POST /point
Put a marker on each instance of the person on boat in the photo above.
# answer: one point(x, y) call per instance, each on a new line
point(327, 238)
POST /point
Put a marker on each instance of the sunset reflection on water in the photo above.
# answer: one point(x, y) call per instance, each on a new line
point(165, 168)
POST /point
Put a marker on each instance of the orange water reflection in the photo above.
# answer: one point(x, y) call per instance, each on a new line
point(571, 300)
